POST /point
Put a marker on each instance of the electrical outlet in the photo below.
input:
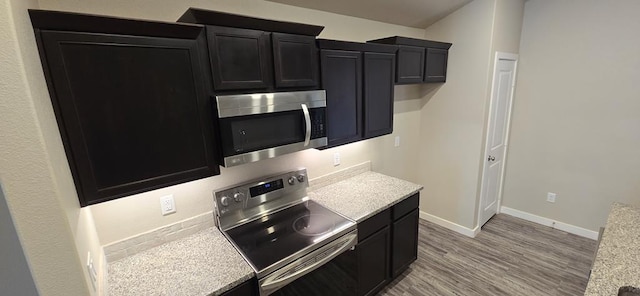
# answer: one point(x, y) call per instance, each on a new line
point(397, 142)
point(336, 159)
point(91, 269)
point(551, 197)
point(167, 205)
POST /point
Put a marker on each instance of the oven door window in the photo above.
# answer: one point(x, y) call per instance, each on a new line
point(256, 132)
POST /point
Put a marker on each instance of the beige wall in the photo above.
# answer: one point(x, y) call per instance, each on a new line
point(452, 120)
point(453, 117)
point(576, 117)
point(33, 171)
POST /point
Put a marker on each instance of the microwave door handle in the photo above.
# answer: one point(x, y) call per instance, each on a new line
point(307, 119)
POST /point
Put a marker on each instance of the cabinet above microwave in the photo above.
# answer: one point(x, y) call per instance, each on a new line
point(257, 55)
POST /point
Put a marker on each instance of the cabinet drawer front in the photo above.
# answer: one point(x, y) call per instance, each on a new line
point(373, 224)
point(406, 206)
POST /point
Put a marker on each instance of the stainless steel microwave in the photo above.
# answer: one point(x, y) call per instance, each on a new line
point(254, 127)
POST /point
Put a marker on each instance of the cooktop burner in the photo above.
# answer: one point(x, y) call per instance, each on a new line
point(313, 225)
point(277, 236)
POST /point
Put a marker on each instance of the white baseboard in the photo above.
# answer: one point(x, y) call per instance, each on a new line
point(450, 225)
point(550, 222)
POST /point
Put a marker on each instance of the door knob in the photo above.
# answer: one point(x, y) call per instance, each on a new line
point(491, 158)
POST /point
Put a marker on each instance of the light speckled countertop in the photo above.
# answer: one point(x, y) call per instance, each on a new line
point(618, 260)
point(202, 264)
point(207, 264)
point(364, 195)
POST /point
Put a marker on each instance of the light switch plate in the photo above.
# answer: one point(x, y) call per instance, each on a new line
point(336, 159)
point(551, 197)
point(167, 205)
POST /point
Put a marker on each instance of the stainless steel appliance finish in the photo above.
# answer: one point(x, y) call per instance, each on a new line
point(238, 105)
point(273, 112)
point(280, 232)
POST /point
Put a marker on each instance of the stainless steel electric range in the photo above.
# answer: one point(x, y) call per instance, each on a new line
point(280, 232)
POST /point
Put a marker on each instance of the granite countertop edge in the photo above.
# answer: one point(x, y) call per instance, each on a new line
point(617, 261)
point(398, 191)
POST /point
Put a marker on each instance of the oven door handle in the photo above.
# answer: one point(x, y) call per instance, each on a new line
point(281, 278)
point(307, 120)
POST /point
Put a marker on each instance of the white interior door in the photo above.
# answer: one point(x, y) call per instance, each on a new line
point(496, 142)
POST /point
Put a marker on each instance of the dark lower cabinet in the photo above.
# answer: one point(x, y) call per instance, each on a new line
point(405, 242)
point(373, 262)
point(248, 288)
point(379, 74)
point(131, 99)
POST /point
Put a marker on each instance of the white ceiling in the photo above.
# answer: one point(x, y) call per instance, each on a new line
point(410, 13)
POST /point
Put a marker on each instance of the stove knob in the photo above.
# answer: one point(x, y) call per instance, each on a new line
point(292, 180)
point(238, 196)
point(301, 178)
point(224, 200)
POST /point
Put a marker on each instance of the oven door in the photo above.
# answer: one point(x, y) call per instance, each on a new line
point(256, 127)
point(329, 270)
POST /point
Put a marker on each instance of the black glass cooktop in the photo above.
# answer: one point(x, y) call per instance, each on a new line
point(277, 237)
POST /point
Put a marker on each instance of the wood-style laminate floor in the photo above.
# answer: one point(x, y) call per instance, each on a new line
point(509, 256)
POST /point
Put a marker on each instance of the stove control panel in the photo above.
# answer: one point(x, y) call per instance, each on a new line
point(246, 200)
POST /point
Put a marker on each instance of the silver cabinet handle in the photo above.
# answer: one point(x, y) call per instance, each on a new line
point(307, 120)
point(491, 158)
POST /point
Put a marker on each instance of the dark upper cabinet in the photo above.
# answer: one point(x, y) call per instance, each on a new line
point(358, 79)
point(131, 99)
point(251, 54)
point(419, 60)
point(240, 58)
point(436, 66)
point(378, 93)
point(342, 81)
point(295, 60)
point(410, 67)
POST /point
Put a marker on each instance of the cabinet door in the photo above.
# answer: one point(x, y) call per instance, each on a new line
point(379, 75)
point(342, 80)
point(410, 64)
point(295, 60)
point(373, 262)
point(405, 242)
point(133, 112)
point(436, 65)
point(240, 58)
point(248, 288)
